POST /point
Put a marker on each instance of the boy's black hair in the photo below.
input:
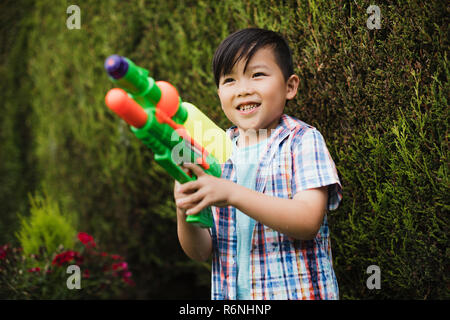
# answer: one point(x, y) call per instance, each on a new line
point(244, 44)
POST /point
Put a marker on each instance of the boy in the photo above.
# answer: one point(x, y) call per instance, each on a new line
point(270, 238)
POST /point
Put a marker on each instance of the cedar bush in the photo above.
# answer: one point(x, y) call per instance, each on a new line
point(46, 228)
point(378, 96)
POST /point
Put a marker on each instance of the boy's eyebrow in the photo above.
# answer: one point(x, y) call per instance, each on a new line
point(256, 66)
point(249, 67)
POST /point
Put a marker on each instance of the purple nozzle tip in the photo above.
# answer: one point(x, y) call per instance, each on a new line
point(116, 66)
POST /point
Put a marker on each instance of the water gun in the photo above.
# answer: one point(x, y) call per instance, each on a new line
point(174, 130)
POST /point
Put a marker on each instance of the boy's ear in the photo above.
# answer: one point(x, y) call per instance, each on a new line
point(292, 86)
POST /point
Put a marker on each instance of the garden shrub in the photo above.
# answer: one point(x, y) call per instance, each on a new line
point(47, 228)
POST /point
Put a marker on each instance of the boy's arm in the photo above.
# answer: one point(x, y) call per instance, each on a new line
point(300, 217)
point(195, 241)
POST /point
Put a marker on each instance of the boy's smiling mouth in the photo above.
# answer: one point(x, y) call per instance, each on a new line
point(248, 107)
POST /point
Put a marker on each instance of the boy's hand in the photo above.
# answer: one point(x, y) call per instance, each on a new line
point(206, 191)
point(178, 195)
point(195, 241)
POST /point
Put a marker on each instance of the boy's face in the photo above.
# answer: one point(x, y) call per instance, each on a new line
point(255, 99)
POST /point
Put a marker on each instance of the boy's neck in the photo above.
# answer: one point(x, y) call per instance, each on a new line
point(251, 136)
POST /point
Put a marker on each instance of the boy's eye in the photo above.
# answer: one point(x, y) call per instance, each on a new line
point(258, 74)
point(227, 80)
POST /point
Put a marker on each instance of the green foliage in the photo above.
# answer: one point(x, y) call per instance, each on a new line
point(17, 162)
point(380, 98)
point(47, 228)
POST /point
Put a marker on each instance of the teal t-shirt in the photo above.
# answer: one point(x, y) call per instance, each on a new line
point(245, 160)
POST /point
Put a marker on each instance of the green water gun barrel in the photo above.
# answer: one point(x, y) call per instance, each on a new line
point(162, 95)
point(149, 131)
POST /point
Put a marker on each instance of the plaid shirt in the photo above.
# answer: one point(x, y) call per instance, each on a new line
point(281, 267)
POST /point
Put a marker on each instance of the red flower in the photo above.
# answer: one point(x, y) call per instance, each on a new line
point(3, 250)
point(36, 269)
point(67, 256)
point(86, 239)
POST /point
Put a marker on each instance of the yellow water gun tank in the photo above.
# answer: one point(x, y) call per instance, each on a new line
point(207, 133)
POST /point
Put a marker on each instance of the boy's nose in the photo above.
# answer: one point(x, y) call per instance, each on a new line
point(245, 89)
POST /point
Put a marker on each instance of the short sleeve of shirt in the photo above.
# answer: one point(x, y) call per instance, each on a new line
point(313, 166)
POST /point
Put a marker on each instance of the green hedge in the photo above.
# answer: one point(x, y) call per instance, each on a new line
point(378, 96)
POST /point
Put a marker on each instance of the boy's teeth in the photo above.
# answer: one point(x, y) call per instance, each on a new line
point(248, 107)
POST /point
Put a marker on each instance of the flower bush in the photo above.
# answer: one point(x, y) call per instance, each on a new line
point(45, 276)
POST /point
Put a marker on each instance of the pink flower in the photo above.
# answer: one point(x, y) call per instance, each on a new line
point(126, 277)
point(128, 281)
point(120, 266)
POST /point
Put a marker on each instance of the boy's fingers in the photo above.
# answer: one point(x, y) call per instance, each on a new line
point(199, 207)
point(177, 189)
point(198, 171)
point(189, 201)
point(188, 187)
